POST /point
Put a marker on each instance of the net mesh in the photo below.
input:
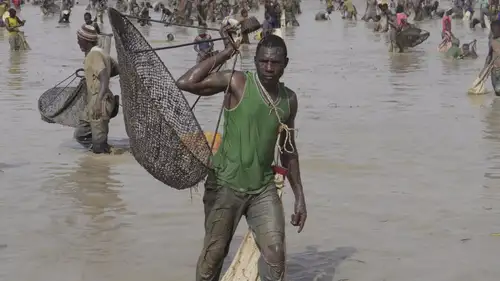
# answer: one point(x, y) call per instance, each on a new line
point(471, 49)
point(412, 37)
point(165, 137)
point(64, 104)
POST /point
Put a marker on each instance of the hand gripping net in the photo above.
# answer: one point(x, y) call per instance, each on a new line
point(165, 137)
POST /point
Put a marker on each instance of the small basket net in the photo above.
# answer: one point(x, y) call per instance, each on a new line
point(64, 104)
point(412, 37)
point(165, 137)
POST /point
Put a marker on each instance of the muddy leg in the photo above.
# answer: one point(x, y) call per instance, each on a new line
point(83, 134)
point(266, 219)
point(223, 211)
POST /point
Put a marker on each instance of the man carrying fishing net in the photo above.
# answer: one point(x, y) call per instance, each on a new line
point(101, 106)
point(258, 110)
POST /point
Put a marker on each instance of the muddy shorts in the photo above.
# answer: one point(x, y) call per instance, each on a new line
point(224, 208)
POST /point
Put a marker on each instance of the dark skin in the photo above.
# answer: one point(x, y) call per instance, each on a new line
point(270, 63)
point(103, 77)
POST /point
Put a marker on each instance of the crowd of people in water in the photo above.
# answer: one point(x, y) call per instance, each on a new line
point(397, 19)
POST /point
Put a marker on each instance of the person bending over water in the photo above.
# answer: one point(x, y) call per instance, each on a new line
point(395, 27)
point(454, 51)
point(241, 182)
point(322, 15)
point(446, 25)
point(101, 105)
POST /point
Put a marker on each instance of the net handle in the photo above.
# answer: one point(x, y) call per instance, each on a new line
point(80, 73)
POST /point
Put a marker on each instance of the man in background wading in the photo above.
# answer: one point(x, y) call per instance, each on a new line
point(242, 180)
point(101, 106)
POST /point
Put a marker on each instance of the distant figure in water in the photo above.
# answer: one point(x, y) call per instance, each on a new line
point(144, 15)
point(87, 17)
point(65, 13)
point(267, 25)
point(396, 27)
point(446, 24)
point(203, 50)
point(349, 10)
point(244, 16)
point(494, 52)
point(17, 4)
point(329, 6)
point(4, 6)
point(166, 14)
point(454, 51)
point(12, 24)
point(323, 15)
point(401, 17)
point(371, 11)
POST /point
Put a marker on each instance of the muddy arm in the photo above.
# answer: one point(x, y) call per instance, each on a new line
point(200, 81)
point(290, 160)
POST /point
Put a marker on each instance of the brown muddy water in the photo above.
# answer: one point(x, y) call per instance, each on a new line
point(400, 166)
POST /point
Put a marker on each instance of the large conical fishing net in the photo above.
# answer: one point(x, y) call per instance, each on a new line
point(64, 103)
point(412, 37)
point(165, 137)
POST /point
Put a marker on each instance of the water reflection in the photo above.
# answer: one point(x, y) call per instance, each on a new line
point(492, 136)
point(17, 60)
point(308, 265)
point(404, 62)
point(95, 188)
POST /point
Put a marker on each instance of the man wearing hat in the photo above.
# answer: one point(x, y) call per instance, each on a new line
point(101, 106)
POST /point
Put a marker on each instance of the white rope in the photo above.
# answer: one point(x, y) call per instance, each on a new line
point(283, 126)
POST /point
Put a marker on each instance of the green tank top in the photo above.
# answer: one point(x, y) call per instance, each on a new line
point(244, 158)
